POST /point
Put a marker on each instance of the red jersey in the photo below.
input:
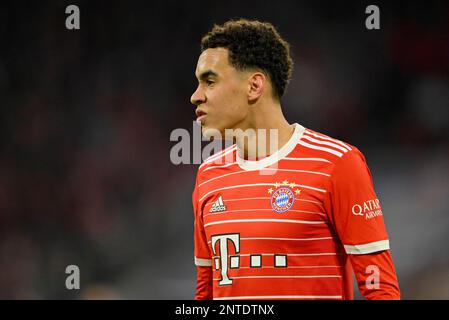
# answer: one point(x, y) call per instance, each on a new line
point(284, 227)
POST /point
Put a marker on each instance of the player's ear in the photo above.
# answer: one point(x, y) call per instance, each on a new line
point(256, 86)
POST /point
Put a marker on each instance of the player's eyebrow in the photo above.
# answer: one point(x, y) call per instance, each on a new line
point(207, 74)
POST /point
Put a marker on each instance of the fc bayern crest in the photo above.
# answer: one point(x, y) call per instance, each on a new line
point(283, 197)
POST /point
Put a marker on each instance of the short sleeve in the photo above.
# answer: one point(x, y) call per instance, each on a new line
point(201, 249)
point(354, 208)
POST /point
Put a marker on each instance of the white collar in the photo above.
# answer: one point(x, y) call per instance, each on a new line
point(250, 165)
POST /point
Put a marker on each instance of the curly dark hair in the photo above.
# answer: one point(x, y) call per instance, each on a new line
point(254, 44)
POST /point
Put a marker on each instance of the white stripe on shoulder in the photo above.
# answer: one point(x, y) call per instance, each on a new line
point(368, 247)
point(307, 159)
point(203, 262)
point(311, 146)
point(321, 136)
point(326, 143)
point(218, 155)
point(223, 166)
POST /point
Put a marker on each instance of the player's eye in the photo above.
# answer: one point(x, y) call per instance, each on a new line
point(209, 82)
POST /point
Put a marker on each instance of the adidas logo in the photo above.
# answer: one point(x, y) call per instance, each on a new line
point(218, 205)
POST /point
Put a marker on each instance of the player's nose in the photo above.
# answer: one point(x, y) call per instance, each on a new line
point(198, 97)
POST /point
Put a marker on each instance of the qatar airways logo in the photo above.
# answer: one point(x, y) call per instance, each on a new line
point(370, 209)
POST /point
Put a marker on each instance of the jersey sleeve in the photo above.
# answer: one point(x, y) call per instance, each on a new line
point(202, 253)
point(204, 283)
point(353, 207)
point(376, 276)
point(203, 258)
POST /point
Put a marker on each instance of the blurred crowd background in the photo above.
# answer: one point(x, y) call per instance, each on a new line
point(86, 117)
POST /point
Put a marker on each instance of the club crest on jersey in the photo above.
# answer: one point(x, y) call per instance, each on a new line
point(283, 196)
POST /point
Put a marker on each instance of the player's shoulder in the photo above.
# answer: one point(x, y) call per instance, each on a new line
point(223, 157)
point(327, 147)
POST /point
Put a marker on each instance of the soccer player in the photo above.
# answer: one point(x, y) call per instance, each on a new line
point(295, 223)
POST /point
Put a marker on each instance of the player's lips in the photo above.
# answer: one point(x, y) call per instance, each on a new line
point(200, 115)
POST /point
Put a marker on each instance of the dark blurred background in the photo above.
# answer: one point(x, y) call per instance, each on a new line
point(86, 117)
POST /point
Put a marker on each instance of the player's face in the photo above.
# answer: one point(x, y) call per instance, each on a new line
point(221, 96)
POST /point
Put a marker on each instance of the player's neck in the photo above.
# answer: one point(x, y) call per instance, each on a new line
point(267, 131)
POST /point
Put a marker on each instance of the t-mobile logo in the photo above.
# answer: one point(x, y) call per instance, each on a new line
point(226, 263)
